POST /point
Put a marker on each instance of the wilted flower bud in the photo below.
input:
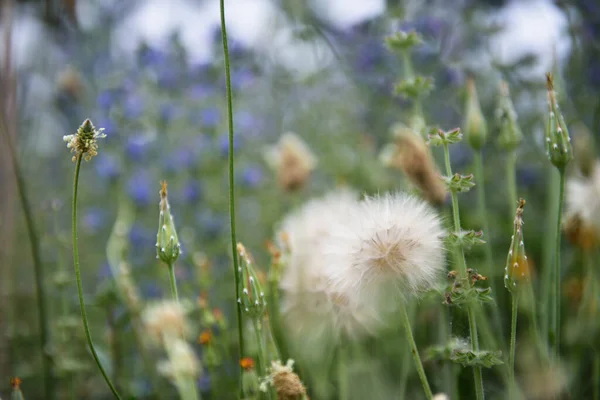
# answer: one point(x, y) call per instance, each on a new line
point(517, 266)
point(475, 126)
point(558, 141)
point(167, 242)
point(252, 297)
point(510, 133)
point(85, 141)
point(292, 160)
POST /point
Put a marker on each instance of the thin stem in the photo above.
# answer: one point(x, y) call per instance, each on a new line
point(342, 371)
point(173, 282)
point(479, 177)
point(596, 378)
point(513, 343)
point(548, 254)
point(415, 352)
point(84, 319)
point(232, 184)
point(556, 276)
point(38, 270)
point(463, 271)
point(262, 365)
point(405, 365)
point(511, 181)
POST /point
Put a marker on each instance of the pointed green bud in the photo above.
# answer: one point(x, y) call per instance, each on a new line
point(252, 297)
point(517, 266)
point(167, 242)
point(459, 183)
point(558, 141)
point(413, 88)
point(475, 126)
point(506, 117)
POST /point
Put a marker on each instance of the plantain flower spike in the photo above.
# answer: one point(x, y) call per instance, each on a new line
point(167, 242)
point(517, 265)
point(475, 126)
point(558, 141)
point(85, 141)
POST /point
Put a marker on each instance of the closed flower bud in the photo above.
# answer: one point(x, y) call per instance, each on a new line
point(475, 126)
point(510, 133)
point(252, 297)
point(167, 242)
point(517, 266)
point(402, 41)
point(558, 141)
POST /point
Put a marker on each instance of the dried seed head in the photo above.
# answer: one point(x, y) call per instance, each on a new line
point(285, 381)
point(292, 160)
point(165, 319)
point(413, 157)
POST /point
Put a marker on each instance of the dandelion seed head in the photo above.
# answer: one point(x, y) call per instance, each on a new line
point(165, 319)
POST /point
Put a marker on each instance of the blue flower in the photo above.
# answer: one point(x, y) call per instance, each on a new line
point(104, 272)
point(167, 77)
point(141, 238)
point(192, 192)
point(204, 383)
point(133, 107)
point(245, 121)
point(168, 112)
point(94, 219)
point(151, 57)
point(210, 224)
point(137, 147)
point(106, 99)
point(151, 290)
point(200, 91)
point(110, 128)
point(140, 188)
point(242, 78)
point(181, 159)
point(107, 166)
point(210, 116)
point(252, 176)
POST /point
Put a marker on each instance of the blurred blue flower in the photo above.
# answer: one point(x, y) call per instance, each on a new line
point(151, 290)
point(133, 107)
point(137, 147)
point(528, 176)
point(210, 224)
point(168, 112)
point(140, 188)
point(242, 78)
point(104, 272)
point(210, 116)
point(141, 238)
point(204, 383)
point(94, 219)
point(200, 91)
point(167, 77)
point(110, 128)
point(192, 191)
point(245, 121)
point(107, 166)
point(181, 159)
point(224, 144)
point(152, 57)
point(252, 176)
point(106, 99)
point(371, 54)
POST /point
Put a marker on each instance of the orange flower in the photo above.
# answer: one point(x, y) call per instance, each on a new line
point(205, 337)
point(15, 382)
point(247, 363)
point(217, 313)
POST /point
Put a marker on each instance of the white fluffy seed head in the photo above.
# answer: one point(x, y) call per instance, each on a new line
point(181, 363)
point(583, 198)
point(392, 239)
point(165, 319)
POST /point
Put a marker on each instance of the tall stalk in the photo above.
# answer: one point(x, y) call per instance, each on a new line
point(232, 185)
point(84, 319)
point(513, 343)
point(38, 269)
point(173, 282)
point(555, 333)
point(463, 271)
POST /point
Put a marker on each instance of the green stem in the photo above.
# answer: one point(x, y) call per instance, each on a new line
point(262, 365)
point(556, 276)
point(513, 343)
point(463, 271)
point(405, 365)
point(548, 254)
point(449, 374)
point(415, 352)
point(38, 270)
point(84, 319)
point(511, 181)
point(342, 371)
point(479, 177)
point(596, 378)
point(232, 185)
point(173, 282)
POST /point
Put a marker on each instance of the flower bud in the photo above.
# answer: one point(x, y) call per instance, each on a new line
point(167, 242)
point(517, 266)
point(475, 126)
point(402, 41)
point(558, 141)
point(252, 297)
point(510, 133)
point(413, 88)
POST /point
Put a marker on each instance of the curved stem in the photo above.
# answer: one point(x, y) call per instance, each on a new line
point(511, 181)
point(415, 352)
point(38, 270)
point(84, 319)
point(232, 185)
point(463, 272)
point(556, 276)
point(173, 282)
point(513, 343)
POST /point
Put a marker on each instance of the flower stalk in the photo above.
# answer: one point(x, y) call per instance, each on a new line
point(232, 187)
point(415, 352)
